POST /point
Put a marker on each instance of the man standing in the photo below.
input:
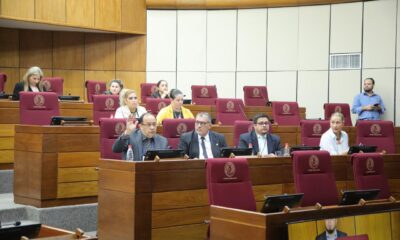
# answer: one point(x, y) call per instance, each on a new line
point(331, 233)
point(262, 142)
point(142, 139)
point(368, 105)
point(202, 143)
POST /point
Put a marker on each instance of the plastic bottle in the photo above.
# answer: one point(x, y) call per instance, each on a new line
point(129, 153)
point(286, 150)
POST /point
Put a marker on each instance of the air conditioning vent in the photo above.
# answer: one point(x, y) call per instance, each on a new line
point(345, 61)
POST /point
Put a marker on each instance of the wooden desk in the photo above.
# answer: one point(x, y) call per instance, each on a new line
point(55, 165)
point(168, 200)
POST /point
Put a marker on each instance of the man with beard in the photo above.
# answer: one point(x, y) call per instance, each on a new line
point(331, 233)
point(368, 105)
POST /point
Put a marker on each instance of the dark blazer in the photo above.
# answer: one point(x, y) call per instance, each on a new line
point(19, 86)
point(322, 236)
point(157, 94)
point(136, 140)
point(250, 140)
point(189, 142)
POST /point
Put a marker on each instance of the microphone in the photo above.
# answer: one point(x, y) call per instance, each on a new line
point(16, 223)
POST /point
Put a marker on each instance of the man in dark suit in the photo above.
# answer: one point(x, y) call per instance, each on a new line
point(202, 143)
point(262, 142)
point(331, 233)
point(142, 139)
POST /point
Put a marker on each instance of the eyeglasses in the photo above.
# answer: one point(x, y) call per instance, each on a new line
point(131, 98)
point(149, 124)
point(263, 123)
point(201, 123)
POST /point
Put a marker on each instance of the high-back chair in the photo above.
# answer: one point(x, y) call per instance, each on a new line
point(94, 87)
point(54, 84)
point(204, 94)
point(154, 105)
point(3, 79)
point(313, 175)
point(343, 108)
point(312, 130)
point(255, 95)
point(110, 130)
point(38, 108)
point(376, 133)
point(356, 237)
point(368, 170)
point(104, 106)
point(286, 113)
point(240, 127)
point(146, 89)
point(229, 110)
point(174, 128)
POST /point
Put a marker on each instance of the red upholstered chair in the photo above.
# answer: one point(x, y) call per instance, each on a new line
point(255, 95)
point(344, 108)
point(313, 175)
point(240, 127)
point(154, 105)
point(229, 184)
point(204, 95)
point(146, 89)
point(110, 129)
point(54, 84)
point(94, 87)
point(3, 79)
point(356, 237)
point(312, 130)
point(104, 106)
point(286, 113)
point(369, 173)
point(38, 108)
point(376, 133)
point(174, 128)
point(228, 110)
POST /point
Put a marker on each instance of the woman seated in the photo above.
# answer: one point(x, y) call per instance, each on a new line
point(162, 90)
point(115, 87)
point(31, 82)
point(129, 106)
point(335, 141)
point(175, 109)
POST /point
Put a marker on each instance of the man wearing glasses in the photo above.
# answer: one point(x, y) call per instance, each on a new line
point(142, 139)
point(202, 143)
point(262, 142)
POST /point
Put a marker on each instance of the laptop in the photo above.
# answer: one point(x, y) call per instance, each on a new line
point(69, 98)
point(276, 203)
point(227, 151)
point(364, 148)
point(56, 120)
point(187, 101)
point(354, 196)
point(303, 148)
point(15, 230)
point(163, 154)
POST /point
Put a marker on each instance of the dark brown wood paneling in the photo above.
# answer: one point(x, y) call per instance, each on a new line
point(36, 48)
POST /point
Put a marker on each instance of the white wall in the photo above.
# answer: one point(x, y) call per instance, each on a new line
point(286, 49)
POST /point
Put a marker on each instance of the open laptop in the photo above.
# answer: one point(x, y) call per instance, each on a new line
point(364, 148)
point(163, 154)
point(354, 196)
point(303, 148)
point(15, 230)
point(278, 202)
point(56, 120)
point(226, 151)
point(69, 98)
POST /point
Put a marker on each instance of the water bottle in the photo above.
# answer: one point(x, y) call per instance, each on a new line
point(286, 150)
point(129, 153)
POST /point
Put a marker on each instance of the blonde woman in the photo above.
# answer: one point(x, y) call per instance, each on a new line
point(31, 82)
point(335, 141)
point(129, 105)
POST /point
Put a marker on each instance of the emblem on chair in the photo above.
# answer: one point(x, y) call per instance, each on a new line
point(313, 162)
point(119, 128)
point(109, 104)
point(153, 89)
point(338, 109)
point(229, 170)
point(375, 130)
point(161, 105)
point(38, 100)
point(317, 129)
point(256, 92)
point(370, 165)
point(97, 88)
point(230, 106)
point(204, 92)
point(286, 108)
point(47, 85)
point(181, 128)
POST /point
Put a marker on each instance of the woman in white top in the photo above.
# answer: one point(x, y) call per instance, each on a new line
point(335, 141)
point(129, 106)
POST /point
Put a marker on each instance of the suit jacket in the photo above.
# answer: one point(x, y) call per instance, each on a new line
point(189, 142)
point(250, 140)
point(322, 236)
point(19, 86)
point(136, 140)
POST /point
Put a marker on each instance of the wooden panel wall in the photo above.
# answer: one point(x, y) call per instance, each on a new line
point(75, 56)
point(128, 16)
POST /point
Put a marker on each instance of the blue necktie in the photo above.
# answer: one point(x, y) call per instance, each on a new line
point(203, 146)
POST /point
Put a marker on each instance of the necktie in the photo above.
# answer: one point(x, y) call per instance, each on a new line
point(203, 147)
point(146, 145)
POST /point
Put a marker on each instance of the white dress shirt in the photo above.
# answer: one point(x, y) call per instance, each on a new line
point(262, 144)
point(124, 112)
point(328, 142)
point(207, 142)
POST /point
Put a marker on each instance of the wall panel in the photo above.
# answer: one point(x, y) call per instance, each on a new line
point(74, 81)
point(249, 79)
point(12, 78)
point(131, 53)
point(69, 50)
point(104, 76)
point(132, 80)
point(80, 12)
point(133, 15)
point(50, 10)
point(107, 14)
point(18, 8)
point(100, 51)
point(251, 40)
point(282, 86)
point(36, 48)
point(170, 77)
point(224, 83)
point(397, 100)
point(194, 78)
point(9, 47)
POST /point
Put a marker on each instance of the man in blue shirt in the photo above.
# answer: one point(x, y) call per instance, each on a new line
point(368, 105)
